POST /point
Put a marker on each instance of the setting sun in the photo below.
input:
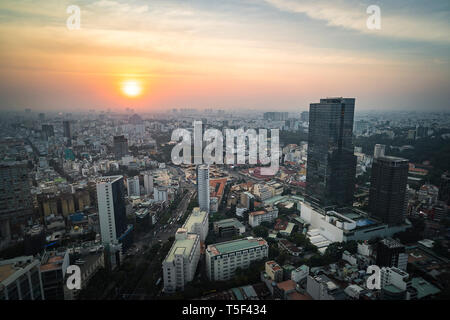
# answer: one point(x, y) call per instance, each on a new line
point(131, 88)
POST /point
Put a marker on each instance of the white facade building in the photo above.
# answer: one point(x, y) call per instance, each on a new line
point(180, 264)
point(148, 183)
point(255, 218)
point(160, 194)
point(222, 259)
point(203, 187)
point(133, 186)
point(198, 223)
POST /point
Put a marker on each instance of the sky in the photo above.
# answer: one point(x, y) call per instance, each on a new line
point(277, 55)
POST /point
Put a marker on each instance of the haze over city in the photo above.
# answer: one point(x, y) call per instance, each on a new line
point(255, 54)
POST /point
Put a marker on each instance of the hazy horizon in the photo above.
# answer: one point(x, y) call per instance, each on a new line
point(262, 55)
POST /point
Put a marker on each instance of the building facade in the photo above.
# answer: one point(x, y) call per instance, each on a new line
point(203, 187)
point(331, 163)
point(222, 259)
point(387, 198)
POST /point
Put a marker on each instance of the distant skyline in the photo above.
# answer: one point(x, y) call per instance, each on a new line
point(269, 55)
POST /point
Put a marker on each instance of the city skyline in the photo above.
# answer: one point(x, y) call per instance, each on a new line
point(255, 54)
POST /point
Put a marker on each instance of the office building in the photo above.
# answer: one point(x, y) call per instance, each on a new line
point(391, 253)
point(331, 163)
point(198, 223)
point(203, 187)
point(115, 233)
point(133, 186)
point(120, 147)
point(387, 198)
point(180, 264)
point(222, 259)
point(20, 279)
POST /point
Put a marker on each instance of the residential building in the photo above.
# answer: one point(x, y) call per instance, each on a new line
point(228, 227)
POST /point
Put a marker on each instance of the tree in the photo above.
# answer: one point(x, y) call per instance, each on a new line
point(260, 231)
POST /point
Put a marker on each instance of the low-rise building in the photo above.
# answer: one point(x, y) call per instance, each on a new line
point(222, 259)
point(274, 271)
point(228, 227)
point(269, 214)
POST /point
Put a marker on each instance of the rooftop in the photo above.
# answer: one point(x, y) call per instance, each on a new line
point(197, 216)
point(228, 223)
point(235, 245)
point(181, 246)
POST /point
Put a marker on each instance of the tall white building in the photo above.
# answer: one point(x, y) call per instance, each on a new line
point(133, 186)
point(160, 194)
point(198, 223)
point(222, 259)
point(378, 150)
point(111, 209)
point(148, 183)
point(180, 264)
point(203, 187)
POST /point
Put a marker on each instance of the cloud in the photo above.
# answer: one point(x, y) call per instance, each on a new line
point(351, 15)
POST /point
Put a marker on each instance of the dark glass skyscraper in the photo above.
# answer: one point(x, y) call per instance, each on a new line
point(387, 198)
point(331, 166)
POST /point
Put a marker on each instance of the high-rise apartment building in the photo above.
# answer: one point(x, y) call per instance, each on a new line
point(203, 187)
point(387, 198)
point(331, 164)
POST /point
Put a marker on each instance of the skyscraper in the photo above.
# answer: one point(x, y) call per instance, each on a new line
point(120, 147)
point(387, 198)
point(111, 210)
point(331, 164)
point(203, 187)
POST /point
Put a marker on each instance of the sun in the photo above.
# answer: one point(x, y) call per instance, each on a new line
point(131, 88)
